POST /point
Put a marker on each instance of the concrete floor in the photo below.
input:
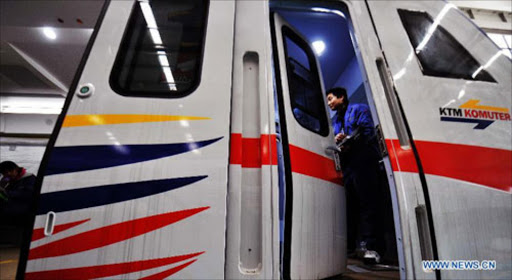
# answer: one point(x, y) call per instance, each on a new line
point(358, 271)
point(8, 263)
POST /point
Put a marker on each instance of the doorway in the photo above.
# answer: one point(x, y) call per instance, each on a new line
point(330, 35)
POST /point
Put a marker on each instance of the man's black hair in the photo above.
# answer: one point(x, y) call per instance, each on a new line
point(7, 166)
point(338, 92)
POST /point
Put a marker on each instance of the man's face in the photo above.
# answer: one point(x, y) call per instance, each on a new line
point(334, 102)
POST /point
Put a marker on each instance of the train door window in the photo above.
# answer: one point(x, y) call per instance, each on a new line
point(161, 51)
point(438, 52)
point(304, 86)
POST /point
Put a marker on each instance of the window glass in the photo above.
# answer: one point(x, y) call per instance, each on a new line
point(161, 50)
point(304, 85)
point(508, 39)
point(438, 51)
point(503, 41)
point(498, 39)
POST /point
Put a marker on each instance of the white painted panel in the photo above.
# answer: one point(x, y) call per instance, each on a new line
point(318, 228)
point(202, 232)
point(423, 95)
point(459, 235)
point(476, 213)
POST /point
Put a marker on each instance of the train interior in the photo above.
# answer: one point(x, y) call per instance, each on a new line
point(335, 49)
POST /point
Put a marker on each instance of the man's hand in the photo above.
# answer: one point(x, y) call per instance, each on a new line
point(339, 137)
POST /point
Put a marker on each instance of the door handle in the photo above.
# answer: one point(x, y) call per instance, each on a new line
point(332, 149)
point(335, 151)
point(394, 104)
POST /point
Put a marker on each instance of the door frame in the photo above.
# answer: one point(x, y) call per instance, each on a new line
point(28, 228)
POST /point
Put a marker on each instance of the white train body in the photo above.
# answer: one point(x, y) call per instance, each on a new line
point(185, 183)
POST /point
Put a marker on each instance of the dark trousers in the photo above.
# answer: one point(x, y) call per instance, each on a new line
point(361, 178)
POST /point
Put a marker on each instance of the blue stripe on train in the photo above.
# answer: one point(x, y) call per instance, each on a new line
point(102, 195)
point(82, 158)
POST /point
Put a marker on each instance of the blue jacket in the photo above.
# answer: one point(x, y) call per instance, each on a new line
point(365, 150)
point(357, 115)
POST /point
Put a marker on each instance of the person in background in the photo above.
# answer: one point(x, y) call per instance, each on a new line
point(16, 188)
point(355, 135)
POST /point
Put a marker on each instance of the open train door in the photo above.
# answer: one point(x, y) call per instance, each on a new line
point(134, 182)
point(314, 232)
point(450, 87)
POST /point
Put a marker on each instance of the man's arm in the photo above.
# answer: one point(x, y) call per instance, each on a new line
point(364, 122)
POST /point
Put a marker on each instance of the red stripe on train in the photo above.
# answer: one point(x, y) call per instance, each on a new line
point(401, 160)
point(38, 233)
point(485, 166)
point(253, 152)
point(169, 272)
point(314, 165)
point(109, 270)
point(104, 236)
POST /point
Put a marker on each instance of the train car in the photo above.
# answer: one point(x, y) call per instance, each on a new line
point(196, 143)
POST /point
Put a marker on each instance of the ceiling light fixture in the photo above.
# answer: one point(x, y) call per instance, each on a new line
point(319, 47)
point(31, 105)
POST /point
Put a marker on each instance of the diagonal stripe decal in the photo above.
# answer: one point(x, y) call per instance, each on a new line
point(108, 235)
point(167, 273)
point(480, 123)
point(101, 195)
point(38, 233)
point(110, 270)
point(474, 104)
point(88, 120)
point(314, 165)
point(82, 158)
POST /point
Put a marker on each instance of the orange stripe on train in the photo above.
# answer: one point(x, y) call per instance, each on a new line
point(89, 120)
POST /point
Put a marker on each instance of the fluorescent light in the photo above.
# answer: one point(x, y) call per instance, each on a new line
point(30, 110)
point(148, 14)
point(169, 78)
point(400, 74)
point(157, 40)
point(499, 39)
point(163, 60)
point(491, 61)
point(31, 105)
point(434, 26)
point(319, 47)
point(462, 92)
point(150, 20)
point(155, 36)
point(324, 10)
point(49, 33)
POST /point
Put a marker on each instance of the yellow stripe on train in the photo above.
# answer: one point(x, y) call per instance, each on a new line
point(88, 120)
point(474, 104)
